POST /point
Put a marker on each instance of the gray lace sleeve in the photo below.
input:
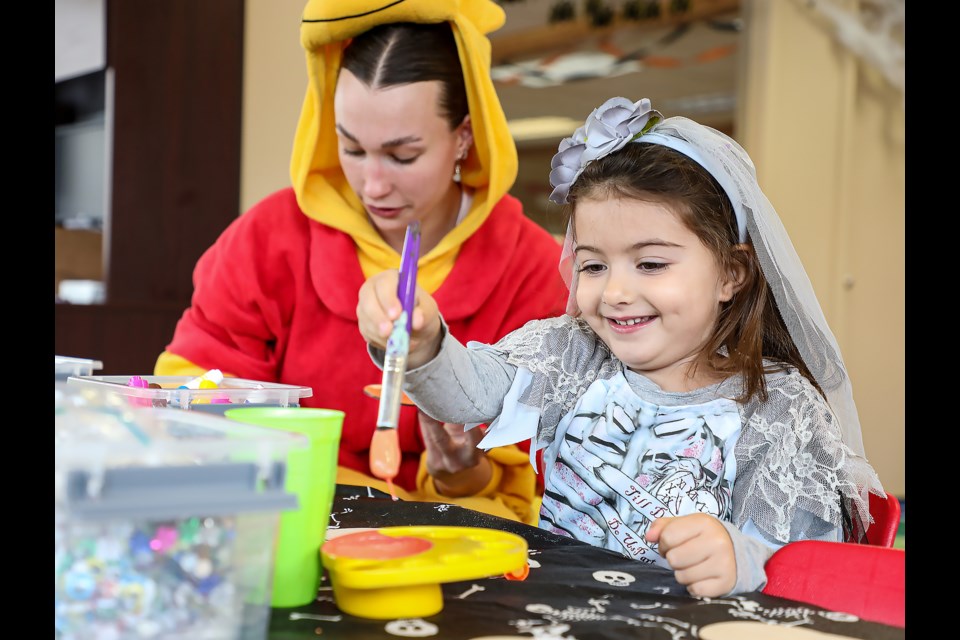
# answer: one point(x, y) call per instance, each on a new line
point(795, 478)
point(563, 357)
point(560, 357)
point(459, 385)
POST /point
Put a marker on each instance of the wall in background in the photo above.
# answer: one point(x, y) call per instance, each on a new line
point(79, 32)
point(827, 134)
point(274, 84)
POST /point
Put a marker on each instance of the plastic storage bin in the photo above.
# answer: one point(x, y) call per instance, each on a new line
point(65, 367)
point(165, 521)
point(230, 393)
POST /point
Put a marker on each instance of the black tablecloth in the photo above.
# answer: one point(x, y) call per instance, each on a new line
point(563, 598)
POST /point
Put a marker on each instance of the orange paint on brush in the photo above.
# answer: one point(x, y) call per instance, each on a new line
point(385, 456)
point(375, 390)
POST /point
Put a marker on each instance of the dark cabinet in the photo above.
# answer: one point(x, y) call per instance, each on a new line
point(177, 68)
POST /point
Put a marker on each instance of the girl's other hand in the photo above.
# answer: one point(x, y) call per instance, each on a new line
point(700, 552)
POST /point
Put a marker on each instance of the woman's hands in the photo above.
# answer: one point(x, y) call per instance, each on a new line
point(378, 306)
point(700, 552)
point(457, 466)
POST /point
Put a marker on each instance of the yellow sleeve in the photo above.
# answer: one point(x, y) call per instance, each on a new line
point(170, 364)
point(512, 486)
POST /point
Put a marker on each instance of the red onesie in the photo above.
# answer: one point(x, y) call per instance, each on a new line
point(288, 314)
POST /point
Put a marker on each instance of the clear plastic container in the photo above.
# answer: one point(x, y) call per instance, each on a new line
point(65, 366)
point(167, 392)
point(165, 521)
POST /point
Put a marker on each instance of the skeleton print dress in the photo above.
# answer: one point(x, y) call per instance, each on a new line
point(619, 452)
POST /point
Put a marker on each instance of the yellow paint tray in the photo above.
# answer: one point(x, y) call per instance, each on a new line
point(396, 572)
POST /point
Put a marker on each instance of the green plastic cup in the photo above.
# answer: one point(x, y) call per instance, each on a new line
point(311, 475)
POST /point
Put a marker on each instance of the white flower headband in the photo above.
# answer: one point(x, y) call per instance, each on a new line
point(609, 128)
point(618, 122)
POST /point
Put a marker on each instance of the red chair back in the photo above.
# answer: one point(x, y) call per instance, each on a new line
point(886, 515)
point(864, 580)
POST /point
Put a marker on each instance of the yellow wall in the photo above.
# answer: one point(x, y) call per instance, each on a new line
point(274, 84)
point(826, 132)
point(827, 136)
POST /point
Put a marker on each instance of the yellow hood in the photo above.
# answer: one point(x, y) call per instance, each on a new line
point(322, 190)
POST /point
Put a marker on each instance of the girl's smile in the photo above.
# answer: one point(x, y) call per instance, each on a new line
point(627, 325)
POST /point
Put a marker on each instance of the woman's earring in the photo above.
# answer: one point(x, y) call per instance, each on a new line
point(456, 166)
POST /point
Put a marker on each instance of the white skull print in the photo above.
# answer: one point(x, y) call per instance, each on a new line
point(614, 578)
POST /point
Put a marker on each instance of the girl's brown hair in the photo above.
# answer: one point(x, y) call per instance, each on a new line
point(749, 327)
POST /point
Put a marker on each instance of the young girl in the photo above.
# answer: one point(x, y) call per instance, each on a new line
point(693, 408)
